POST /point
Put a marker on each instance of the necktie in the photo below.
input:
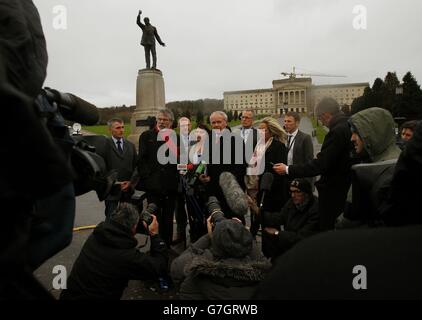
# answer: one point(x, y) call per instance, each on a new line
point(289, 139)
point(119, 146)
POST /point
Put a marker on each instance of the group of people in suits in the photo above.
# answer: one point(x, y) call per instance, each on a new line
point(163, 182)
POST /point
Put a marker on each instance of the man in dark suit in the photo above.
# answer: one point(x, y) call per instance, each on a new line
point(159, 179)
point(332, 163)
point(120, 155)
point(230, 145)
point(299, 145)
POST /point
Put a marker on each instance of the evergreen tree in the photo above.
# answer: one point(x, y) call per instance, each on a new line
point(186, 114)
point(199, 117)
point(230, 116)
point(410, 103)
point(391, 82)
point(236, 115)
point(376, 95)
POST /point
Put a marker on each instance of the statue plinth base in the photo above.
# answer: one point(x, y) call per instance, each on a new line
point(150, 97)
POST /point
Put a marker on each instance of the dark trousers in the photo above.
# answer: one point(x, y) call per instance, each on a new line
point(167, 204)
point(110, 207)
point(331, 204)
point(181, 216)
point(150, 49)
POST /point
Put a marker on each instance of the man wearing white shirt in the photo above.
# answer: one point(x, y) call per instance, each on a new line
point(120, 156)
point(299, 144)
point(246, 121)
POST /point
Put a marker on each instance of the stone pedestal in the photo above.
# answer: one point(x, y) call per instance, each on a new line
point(150, 97)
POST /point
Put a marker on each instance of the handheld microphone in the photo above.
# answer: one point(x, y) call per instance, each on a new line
point(266, 183)
point(235, 196)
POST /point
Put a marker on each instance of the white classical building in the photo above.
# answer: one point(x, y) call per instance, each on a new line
point(292, 94)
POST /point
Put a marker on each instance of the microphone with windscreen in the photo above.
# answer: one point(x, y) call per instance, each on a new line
point(266, 183)
point(233, 193)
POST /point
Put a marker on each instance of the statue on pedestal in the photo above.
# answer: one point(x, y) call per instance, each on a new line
point(149, 34)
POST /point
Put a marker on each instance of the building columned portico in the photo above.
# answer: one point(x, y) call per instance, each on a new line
point(292, 94)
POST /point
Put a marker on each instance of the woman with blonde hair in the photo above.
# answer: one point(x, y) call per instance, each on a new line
point(274, 148)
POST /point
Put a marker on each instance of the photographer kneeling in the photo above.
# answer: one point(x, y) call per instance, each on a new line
point(109, 258)
point(226, 263)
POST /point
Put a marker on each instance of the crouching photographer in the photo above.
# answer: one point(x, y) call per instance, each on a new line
point(226, 263)
point(109, 258)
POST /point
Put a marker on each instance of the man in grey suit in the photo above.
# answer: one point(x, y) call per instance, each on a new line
point(299, 144)
point(120, 155)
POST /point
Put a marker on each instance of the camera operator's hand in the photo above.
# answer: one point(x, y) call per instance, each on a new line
point(125, 185)
point(204, 178)
point(153, 227)
point(271, 231)
point(252, 205)
point(209, 226)
point(280, 168)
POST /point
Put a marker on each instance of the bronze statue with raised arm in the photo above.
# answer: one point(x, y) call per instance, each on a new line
point(149, 34)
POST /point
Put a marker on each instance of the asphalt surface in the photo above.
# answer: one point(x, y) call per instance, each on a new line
point(90, 212)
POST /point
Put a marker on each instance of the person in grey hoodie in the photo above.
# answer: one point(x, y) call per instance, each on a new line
point(224, 264)
point(374, 142)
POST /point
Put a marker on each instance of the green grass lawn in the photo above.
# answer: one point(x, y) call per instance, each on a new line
point(103, 129)
point(320, 131)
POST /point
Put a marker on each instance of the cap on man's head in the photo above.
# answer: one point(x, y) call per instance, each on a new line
point(303, 185)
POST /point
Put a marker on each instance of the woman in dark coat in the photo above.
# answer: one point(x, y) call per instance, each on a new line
point(275, 151)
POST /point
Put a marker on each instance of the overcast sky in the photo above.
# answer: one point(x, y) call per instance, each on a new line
point(214, 46)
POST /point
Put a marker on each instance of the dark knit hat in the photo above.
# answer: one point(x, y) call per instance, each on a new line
point(230, 239)
point(303, 185)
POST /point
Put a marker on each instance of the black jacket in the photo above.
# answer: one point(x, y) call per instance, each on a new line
point(406, 186)
point(323, 267)
point(153, 176)
point(297, 224)
point(333, 161)
point(109, 259)
point(277, 197)
point(217, 166)
point(303, 149)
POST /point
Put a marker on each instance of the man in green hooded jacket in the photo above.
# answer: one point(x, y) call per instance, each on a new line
point(374, 143)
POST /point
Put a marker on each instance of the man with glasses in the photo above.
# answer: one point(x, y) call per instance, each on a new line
point(299, 218)
point(159, 181)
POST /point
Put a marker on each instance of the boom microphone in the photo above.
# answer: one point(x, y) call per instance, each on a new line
point(235, 196)
point(73, 108)
point(266, 183)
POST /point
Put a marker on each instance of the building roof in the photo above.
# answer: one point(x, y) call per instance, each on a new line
point(248, 91)
point(343, 85)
